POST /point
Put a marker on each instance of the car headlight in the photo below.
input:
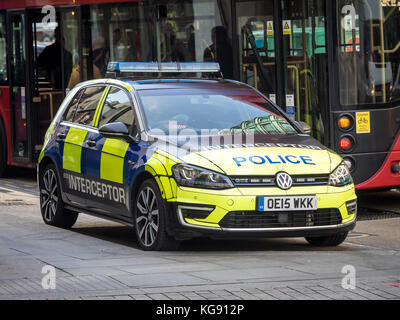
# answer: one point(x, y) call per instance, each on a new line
point(190, 176)
point(340, 176)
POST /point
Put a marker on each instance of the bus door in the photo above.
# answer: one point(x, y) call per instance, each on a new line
point(300, 83)
point(19, 90)
point(54, 47)
point(305, 56)
point(255, 23)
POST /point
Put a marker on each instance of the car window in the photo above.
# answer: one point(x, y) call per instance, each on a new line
point(88, 104)
point(70, 112)
point(227, 111)
point(117, 108)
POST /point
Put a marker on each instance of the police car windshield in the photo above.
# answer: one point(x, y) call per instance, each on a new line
point(217, 111)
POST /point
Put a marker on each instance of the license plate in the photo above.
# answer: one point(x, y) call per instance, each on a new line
point(288, 203)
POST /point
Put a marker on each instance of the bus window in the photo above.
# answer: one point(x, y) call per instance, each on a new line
point(304, 48)
point(50, 60)
point(55, 48)
point(55, 45)
point(70, 27)
point(255, 23)
point(100, 47)
point(3, 50)
point(18, 50)
point(18, 84)
point(369, 52)
point(117, 33)
point(130, 31)
point(203, 33)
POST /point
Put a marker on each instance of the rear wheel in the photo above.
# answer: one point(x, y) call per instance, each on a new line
point(327, 241)
point(150, 219)
point(51, 204)
point(3, 150)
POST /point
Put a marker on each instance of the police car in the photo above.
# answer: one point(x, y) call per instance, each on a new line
point(185, 156)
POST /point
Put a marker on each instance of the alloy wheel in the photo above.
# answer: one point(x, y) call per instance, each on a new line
point(147, 217)
point(49, 195)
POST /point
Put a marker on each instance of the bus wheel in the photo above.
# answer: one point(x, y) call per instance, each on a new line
point(328, 241)
point(150, 219)
point(3, 150)
point(51, 204)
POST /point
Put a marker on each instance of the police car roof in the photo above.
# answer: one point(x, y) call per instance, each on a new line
point(204, 84)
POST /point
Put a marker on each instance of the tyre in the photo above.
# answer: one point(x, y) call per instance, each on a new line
point(150, 219)
point(328, 241)
point(51, 204)
point(3, 150)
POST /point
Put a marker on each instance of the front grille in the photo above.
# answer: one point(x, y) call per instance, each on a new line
point(268, 219)
point(269, 181)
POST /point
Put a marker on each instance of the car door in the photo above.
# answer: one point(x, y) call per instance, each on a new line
point(108, 160)
point(71, 137)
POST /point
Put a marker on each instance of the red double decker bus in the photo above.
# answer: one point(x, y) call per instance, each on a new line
point(333, 64)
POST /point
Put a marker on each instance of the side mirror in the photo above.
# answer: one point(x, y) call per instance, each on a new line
point(117, 130)
point(305, 126)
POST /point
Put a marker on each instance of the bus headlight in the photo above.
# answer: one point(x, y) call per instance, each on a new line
point(340, 176)
point(191, 176)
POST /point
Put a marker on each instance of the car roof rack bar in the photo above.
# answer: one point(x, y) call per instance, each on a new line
point(114, 68)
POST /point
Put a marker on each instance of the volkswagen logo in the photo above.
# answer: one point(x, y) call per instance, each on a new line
point(283, 180)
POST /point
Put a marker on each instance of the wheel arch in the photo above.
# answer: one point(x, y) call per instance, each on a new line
point(162, 181)
point(44, 162)
point(141, 177)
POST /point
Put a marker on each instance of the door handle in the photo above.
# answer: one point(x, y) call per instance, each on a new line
point(91, 143)
point(61, 136)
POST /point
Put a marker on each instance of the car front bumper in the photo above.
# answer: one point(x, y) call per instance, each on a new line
point(221, 204)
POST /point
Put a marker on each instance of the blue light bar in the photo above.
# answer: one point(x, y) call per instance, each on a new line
point(163, 67)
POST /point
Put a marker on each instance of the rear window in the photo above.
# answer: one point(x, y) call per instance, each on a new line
point(70, 113)
point(222, 111)
point(87, 106)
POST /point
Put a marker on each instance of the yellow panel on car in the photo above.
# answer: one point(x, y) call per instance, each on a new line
point(73, 149)
point(112, 160)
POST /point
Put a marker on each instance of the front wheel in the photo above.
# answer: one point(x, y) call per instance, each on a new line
point(51, 204)
point(327, 241)
point(150, 217)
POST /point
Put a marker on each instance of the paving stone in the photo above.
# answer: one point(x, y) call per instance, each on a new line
point(106, 298)
point(193, 296)
point(157, 280)
point(279, 295)
point(175, 296)
point(123, 298)
point(157, 296)
point(254, 273)
point(140, 297)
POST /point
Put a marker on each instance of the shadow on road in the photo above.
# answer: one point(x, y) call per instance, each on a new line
point(18, 172)
point(125, 236)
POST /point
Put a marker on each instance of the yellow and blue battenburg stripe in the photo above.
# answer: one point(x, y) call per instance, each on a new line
point(111, 160)
point(72, 151)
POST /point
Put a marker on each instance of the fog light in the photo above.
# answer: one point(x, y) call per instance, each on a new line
point(351, 207)
point(195, 212)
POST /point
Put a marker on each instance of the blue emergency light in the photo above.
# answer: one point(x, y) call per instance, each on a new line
point(155, 67)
